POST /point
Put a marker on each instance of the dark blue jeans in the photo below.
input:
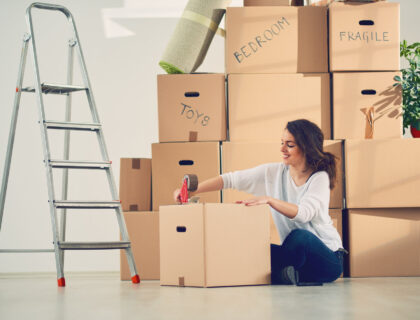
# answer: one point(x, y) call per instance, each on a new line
point(313, 260)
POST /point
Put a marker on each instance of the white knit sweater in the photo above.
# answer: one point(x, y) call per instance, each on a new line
point(312, 199)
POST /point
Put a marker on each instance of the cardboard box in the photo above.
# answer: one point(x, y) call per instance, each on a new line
point(256, 3)
point(384, 242)
point(337, 219)
point(276, 39)
point(191, 107)
point(135, 184)
point(382, 173)
point(143, 230)
point(364, 36)
point(260, 105)
point(172, 161)
point(212, 245)
point(366, 105)
point(245, 155)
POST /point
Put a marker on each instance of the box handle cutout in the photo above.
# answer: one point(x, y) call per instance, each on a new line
point(181, 229)
point(192, 94)
point(369, 92)
point(186, 162)
point(366, 22)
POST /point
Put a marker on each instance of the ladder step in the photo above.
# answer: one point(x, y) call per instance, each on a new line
point(72, 126)
point(55, 88)
point(64, 164)
point(94, 245)
point(68, 204)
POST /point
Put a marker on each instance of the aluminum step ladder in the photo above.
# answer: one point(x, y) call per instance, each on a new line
point(60, 244)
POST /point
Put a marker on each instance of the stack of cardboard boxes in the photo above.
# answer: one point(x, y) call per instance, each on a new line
point(381, 170)
point(278, 70)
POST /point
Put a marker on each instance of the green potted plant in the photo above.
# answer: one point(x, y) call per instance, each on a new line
point(410, 85)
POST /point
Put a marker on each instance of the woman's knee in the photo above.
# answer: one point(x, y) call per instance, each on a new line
point(299, 235)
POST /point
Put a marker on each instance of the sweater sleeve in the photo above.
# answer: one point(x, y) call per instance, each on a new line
point(315, 200)
point(249, 180)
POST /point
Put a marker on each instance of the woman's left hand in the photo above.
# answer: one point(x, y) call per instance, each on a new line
point(255, 201)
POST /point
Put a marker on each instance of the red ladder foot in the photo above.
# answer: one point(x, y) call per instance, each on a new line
point(61, 282)
point(135, 279)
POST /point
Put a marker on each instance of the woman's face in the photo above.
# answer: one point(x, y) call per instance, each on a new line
point(292, 154)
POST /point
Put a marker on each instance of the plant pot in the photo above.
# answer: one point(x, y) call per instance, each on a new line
point(414, 132)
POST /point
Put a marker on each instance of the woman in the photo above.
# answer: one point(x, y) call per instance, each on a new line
point(298, 192)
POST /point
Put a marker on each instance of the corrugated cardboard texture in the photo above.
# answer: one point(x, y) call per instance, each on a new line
point(245, 155)
point(135, 184)
point(382, 173)
point(364, 37)
point(191, 107)
point(384, 242)
point(260, 105)
point(355, 93)
point(143, 230)
point(171, 161)
point(276, 39)
point(220, 245)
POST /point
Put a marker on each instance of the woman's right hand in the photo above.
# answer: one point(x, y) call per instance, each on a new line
point(177, 195)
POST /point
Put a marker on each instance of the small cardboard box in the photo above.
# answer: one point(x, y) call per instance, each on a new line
point(135, 184)
point(384, 242)
point(382, 173)
point(276, 39)
point(366, 105)
point(364, 36)
point(212, 245)
point(172, 161)
point(143, 230)
point(191, 107)
point(260, 105)
point(245, 155)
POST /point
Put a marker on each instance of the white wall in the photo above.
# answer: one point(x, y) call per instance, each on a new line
point(122, 71)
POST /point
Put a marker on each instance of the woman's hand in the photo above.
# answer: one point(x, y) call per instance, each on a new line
point(255, 201)
point(177, 195)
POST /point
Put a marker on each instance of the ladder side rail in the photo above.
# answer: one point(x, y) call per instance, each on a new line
point(12, 130)
point(46, 148)
point(66, 153)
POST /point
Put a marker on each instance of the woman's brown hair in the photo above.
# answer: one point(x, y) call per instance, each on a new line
point(310, 139)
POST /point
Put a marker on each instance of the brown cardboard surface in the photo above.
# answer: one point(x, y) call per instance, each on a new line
point(260, 105)
point(357, 46)
point(256, 3)
point(245, 155)
point(277, 39)
point(135, 184)
point(143, 230)
point(191, 107)
point(337, 219)
point(382, 173)
point(355, 93)
point(171, 161)
point(208, 245)
point(384, 242)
